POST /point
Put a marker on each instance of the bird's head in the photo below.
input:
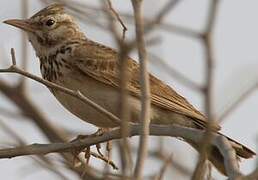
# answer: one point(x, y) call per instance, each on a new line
point(49, 27)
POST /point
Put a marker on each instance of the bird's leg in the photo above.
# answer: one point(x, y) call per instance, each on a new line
point(87, 151)
point(76, 161)
point(100, 132)
point(77, 151)
point(87, 154)
point(108, 149)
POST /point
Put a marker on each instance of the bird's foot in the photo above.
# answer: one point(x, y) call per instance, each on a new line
point(88, 153)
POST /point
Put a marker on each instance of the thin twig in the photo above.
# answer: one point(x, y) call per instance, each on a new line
point(160, 16)
point(12, 133)
point(52, 133)
point(230, 158)
point(9, 113)
point(208, 100)
point(117, 17)
point(77, 94)
point(179, 30)
point(43, 161)
point(163, 169)
point(24, 49)
point(240, 100)
point(174, 164)
point(124, 49)
point(175, 73)
point(103, 158)
point(145, 90)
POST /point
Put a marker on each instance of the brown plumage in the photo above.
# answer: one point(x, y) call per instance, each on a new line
point(70, 59)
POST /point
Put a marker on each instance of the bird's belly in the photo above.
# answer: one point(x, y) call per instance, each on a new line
point(100, 93)
point(108, 98)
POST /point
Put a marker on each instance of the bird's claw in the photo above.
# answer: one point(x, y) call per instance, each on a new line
point(87, 154)
point(87, 151)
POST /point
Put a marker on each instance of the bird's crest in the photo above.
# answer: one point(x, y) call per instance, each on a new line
point(51, 9)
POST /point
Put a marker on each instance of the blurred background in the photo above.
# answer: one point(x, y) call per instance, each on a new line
point(175, 42)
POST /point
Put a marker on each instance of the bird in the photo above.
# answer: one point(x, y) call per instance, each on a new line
point(70, 59)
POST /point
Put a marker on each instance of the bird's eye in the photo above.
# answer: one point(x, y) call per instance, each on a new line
point(50, 22)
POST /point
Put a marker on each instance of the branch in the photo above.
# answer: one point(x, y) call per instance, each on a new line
point(208, 89)
point(145, 89)
point(77, 94)
point(193, 135)
point(24, 47)
point(106, 160)
point(163, 169)
point(160, 16)
point(53, 134)
point(42, 160)
point(22, 101)
point(240, 99)
point(124, 112)
point(175, 165)
point(175, 73)
point(9, 113)
point(117, 17)
point(230, 158)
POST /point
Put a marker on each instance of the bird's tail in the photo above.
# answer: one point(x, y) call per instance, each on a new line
point(217, 159)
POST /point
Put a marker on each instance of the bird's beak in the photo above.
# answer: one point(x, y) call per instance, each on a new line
point(23, 24)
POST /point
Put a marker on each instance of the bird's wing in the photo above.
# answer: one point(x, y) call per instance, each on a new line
point(101, 63)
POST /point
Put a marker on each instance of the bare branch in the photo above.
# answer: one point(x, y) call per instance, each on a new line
point(29, 109)
point(109, 162)
point(175, 73)
point(117, 17)
point(77, 94)
point(174, 164)
point(156, 130)
point(124, 114)
point(208, 90)
point(145, 89)
point(24, 47)
point(45, 163)
point(42, 161)
point(164, 168)
point(10, 113)
point(230, 158)
point(161, 15)
point(238, 102)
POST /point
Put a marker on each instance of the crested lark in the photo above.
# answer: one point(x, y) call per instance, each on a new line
point(70, 59)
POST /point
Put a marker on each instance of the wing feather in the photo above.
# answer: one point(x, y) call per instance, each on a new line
point(101, 63)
